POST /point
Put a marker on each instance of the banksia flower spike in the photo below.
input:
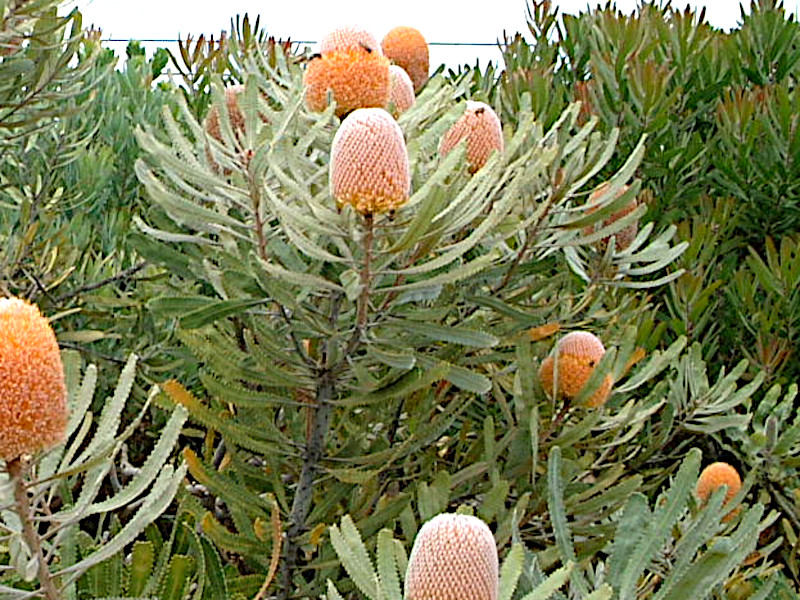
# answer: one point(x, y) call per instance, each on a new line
point(454, 558)
point(369, 163)
point(33, 397)
point(480, 126)
point(713, 477)
point(401, 90)
point(625, 236)
point(355, 78)
point(578, 354)
point(349, 38)
point(234, 113)
point(406, 47)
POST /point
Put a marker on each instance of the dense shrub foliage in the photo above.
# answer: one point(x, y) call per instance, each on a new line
point(318, 330)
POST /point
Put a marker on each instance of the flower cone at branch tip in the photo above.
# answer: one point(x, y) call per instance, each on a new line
point(578, 354)
point(625, 236)
point(401, 91)
point(355, 78)
point(234, 113)
point(480, 126)
point(715, 476)
point(33, 395)
point(406, 47)
point(349, 38)
point(369, 163)
point(454, 557)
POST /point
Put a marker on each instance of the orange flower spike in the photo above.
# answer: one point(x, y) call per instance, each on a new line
point(715, 476)
point(401, 90)
point(33, 394)
point(349, 38)
point(406, 47)
point(480, 126)
point(356, 79)
point(625, 236)
point(578, 354)
point(369, 163)
point(454, 557)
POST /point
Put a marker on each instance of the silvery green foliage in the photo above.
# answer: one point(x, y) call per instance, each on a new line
point(68, 480)
point(310, 321)
point(671, 551)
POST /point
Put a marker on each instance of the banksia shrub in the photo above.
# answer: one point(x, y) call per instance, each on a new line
point(715, 476)
point(356, 79)
point(625, 236)
point(349, 38)
point(578, 353)
point(369, 163)
point(406, 47)
point(33, 396)
point(401, 90)
point(480, 126)
point(454, 557)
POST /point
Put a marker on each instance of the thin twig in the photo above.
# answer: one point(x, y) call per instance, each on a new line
point(126, 274)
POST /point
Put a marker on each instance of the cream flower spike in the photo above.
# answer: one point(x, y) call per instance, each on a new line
point(349, 38)
point(401, 90)
point(454, 557)
point(369, 163)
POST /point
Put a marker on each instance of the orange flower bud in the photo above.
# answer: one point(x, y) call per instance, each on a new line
point(349, 38)
point(454, 558)
point(578, 354)
point(33, 394)
point(401, 90)
point(481, 127)
point(623, 237)
point(406, 47)
point(356, 79)
point(369, 162)
point(715, 476)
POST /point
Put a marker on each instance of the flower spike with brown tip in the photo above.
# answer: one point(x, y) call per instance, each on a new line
point(33, 395)
point(480, 126)
point(454, 557)
point(406, 47)
point(578, 353)
point(369, 163)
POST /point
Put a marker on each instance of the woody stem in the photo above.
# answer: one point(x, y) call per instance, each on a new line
point(22, 505)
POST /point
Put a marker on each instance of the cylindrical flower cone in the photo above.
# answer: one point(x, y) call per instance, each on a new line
point(625, 236)
point(406, 47)
point(454, 557)
point(480, 126)
point(369, 163)
point(355, 79)
point(235, 114)
point(401, 91)
point(33, 395)
point(713, 477)
point(349, 38)
point(578, 354)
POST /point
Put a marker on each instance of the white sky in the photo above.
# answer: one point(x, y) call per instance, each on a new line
point(302, 20)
